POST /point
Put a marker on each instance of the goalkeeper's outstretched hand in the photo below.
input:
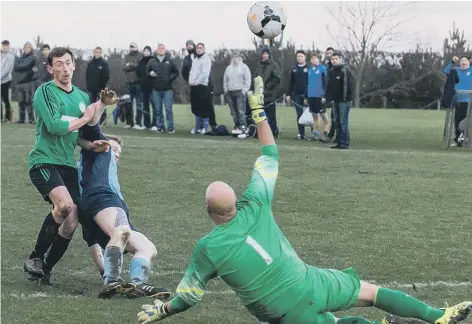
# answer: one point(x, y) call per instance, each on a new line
point(152, 313)
point(256, 100)
point(108, 97)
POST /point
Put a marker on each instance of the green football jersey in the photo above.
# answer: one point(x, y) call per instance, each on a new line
point(250, 252)
point(55, 108)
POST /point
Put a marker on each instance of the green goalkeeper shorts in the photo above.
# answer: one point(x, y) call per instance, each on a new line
point(327, 291)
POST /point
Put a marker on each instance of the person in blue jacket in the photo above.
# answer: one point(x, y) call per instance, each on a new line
point(317, 79)
point(464, 71)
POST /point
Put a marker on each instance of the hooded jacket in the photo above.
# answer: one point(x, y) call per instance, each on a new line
point(339, 87)
point(269, 71)
point(144, 80)
point(166, 72)
point(8, 62)
point(188, 60)
point(237, 77)
point(97, 75)
point(465, 81)
point(24, 67)
point(130, 65)
point(200, 71)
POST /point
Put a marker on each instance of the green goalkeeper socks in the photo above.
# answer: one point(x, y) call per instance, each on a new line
point(354, 320)
point(400, 304)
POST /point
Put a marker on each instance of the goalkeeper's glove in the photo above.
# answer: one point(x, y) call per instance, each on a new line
point(108, 97)
point(152, 313)
point(256, 101)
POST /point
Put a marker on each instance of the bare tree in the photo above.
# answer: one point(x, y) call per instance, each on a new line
point(364, 28)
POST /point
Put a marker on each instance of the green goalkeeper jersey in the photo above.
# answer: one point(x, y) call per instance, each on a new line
point(55, 108)
point(250, 253)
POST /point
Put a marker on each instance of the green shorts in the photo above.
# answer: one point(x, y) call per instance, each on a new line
point(327, 291)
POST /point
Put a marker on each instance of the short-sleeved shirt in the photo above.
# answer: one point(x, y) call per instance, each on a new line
point(55, 108)
point(250, 252)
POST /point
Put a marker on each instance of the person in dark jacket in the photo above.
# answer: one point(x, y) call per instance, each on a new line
point(339, 92)
point(41, 74)
point(163, 72)
point(25, 84)
point(332, 130)
point(298, 89)
point(187, 63)
point(145, 83)
point(270, 73)
point(132, 87)
point(449, 92)
point(97, 76)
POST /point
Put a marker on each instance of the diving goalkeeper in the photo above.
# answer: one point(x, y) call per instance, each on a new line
point(248, 251)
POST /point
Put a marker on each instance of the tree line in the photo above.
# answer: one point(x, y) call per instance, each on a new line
point(412, 79)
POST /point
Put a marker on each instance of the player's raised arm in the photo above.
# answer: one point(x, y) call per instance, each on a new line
point(262, 184)
point(189, 292)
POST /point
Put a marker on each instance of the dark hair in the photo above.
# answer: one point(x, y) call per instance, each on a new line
point(98, 48)
point(59, 52)
point(45, 46)
point(464, 56)
point(337, 54)
point(329, 49)
point(300, 52)
point(5, 42)
point(315, 55)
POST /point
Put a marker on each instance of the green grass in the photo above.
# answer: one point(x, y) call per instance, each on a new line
point(395, 207)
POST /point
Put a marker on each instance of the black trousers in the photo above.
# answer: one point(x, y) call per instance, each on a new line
point(269, 109)
point(6, 100)
point(459, 115)
point(146, 93)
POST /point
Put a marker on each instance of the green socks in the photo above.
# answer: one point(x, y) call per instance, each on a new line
point(354, 320)
point(400, 304)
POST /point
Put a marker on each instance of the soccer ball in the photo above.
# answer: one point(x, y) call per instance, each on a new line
point(266, 19)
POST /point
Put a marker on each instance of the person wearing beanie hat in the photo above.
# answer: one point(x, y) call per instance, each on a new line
point(236, 84)
point(25, 84)
point(41, 74)
point(298, 89)
point(97, 76)
point(269, 70)
point(8, 62)
point(132, 88)
point(145, 84)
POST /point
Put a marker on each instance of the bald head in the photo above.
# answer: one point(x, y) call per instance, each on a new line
point(221, 202)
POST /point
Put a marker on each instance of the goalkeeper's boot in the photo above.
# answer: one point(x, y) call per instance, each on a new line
point(145, 290)
point(455, 313)
point(116, 288)
point(34, 267)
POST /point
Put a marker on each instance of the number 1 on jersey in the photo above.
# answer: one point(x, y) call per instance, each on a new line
point(258, 248)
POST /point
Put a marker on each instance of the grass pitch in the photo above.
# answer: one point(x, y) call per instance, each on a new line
point(395, 206)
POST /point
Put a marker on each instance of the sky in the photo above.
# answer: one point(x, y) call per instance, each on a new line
point(110, 24)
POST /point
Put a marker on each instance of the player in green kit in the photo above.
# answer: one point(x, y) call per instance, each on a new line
point(61, 110)
point(248, 251)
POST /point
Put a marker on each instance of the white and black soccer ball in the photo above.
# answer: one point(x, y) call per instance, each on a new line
point(266, 19)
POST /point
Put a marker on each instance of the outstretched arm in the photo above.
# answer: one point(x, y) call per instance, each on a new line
point(189, 292)
point(262, 184)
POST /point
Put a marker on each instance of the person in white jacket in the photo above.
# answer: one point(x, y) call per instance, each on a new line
point(201, 87)
point(236, 84)
point(8, 62)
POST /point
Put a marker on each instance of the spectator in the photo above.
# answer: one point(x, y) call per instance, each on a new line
point(97, 76)
point(332, 131)
point(25, 85)
point(145, 83)
point(41, 74)
point(269, 71)
point(317, 77)
point(200, 123)
point(236, 84)
point(8, 62)
point(163, 73)
point(132, 88)
point(298, 89)
point(201, 87)
point(464, 72)
point(339, 92)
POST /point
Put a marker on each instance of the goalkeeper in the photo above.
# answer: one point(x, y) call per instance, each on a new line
point(248, 251)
